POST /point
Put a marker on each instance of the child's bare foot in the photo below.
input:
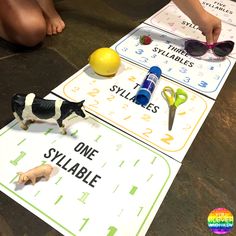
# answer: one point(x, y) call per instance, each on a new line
point(54, 22)
point(54, 25)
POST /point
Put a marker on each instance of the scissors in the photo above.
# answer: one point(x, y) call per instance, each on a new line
point(174, 99)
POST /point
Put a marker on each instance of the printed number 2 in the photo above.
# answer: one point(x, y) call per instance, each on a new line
point(167, 139)
point(96, 102)
point(94, 92)
point(149, 131)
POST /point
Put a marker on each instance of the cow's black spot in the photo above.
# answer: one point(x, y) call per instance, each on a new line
point(43, 109)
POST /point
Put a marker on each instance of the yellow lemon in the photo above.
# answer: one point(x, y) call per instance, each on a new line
point(105, 61)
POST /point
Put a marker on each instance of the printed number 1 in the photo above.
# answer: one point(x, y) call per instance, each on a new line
point(85, 222)
point(112, 231)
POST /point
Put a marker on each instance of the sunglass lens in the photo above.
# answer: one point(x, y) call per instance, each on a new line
point(223, 49)
point(195, 48)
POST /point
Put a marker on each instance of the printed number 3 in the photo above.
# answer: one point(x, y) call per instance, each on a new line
point(203, 84)
point(187, 79)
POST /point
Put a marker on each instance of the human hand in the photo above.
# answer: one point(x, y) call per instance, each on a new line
point(210, 26)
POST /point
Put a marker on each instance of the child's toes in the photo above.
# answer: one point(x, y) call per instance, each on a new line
point(54, 29)
point(49, 30)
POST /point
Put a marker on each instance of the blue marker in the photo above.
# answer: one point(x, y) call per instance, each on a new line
point(146, 89)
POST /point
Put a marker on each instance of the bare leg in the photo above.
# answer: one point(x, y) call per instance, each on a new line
point(22, 22)
point(54, 22)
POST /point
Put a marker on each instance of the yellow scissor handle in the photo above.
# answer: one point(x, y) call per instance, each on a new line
point(169, 95)
point(180, 97)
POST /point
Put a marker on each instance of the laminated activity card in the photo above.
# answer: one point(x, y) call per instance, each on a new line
point(206, 76)
point(224, 9)
point(98, 186)
point(112, 100)
point(173, 20)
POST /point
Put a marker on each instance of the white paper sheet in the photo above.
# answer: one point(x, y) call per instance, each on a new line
point(112, 100)
point(171, 19)
point(167, 51)
point(122, 183)
point(224, 9)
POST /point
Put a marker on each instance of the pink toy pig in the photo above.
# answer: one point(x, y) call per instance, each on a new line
point(37, 172)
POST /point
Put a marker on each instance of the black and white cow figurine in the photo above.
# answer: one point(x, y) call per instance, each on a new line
point(30, 107)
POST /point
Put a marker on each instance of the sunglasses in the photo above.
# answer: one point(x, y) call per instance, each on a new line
point(197, 48)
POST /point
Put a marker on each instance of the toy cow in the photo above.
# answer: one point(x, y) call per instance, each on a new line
point(37, 172)
point(30, 107)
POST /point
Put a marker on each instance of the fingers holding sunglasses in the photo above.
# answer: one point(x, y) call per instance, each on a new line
point(210, 26)
point(216, 33)
point(212, 34)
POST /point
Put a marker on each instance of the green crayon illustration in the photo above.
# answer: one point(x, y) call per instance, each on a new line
point(37, 193)
point(84, 197)
point(136, 162)
point(149, 177)
point(13, 179)
point(85, 222)
point(122, 162)
point(104, 164)
point(141, 208)
point(74, 134)
point(154, 159)
point(133, 190)
point(112, 231)
point(99, 136)
point(59, 179)
point(48, 131)
point(43, 162)
point(58, 200)
point(15, 162)
point(18, 144)
point(116, 188)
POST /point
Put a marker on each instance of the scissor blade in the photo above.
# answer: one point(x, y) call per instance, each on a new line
point(172, 110)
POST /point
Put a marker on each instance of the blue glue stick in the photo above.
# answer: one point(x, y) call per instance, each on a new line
point(146, 89)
